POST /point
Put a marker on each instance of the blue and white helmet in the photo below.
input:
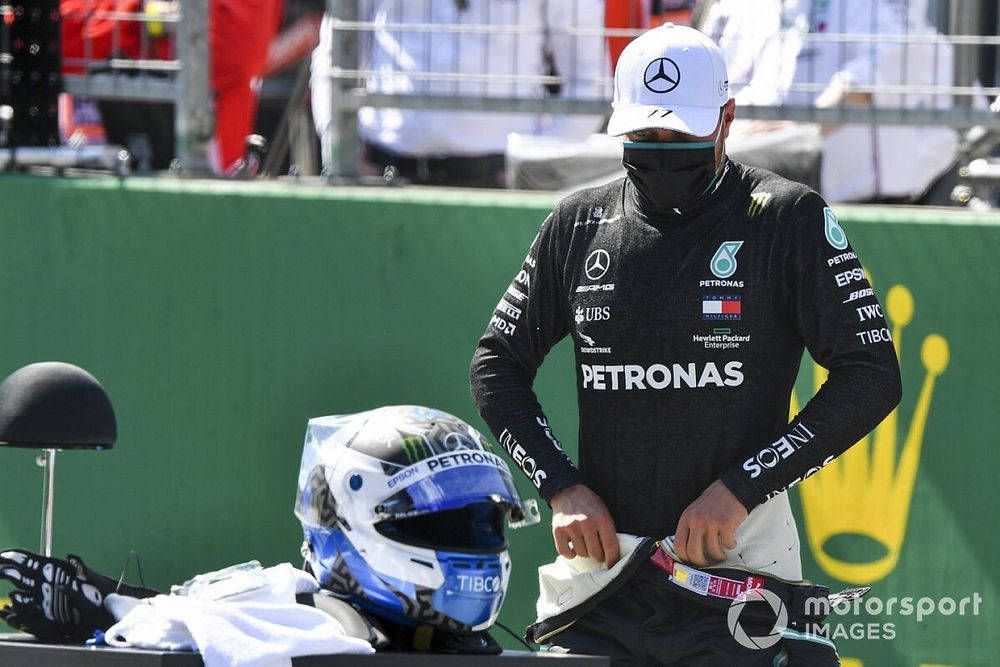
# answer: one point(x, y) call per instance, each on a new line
point(403, 512)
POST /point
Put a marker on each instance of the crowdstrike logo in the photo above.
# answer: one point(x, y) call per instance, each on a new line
point(592, 347)
point(662, 75)
point(739, 633)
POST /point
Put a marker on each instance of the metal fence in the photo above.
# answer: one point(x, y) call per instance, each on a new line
point(178, 74)
point(965, 29)
point(955, 96)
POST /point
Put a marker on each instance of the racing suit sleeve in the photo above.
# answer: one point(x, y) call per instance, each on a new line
point(528, 320)
point(826, 293)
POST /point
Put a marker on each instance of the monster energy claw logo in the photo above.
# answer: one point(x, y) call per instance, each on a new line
point(415, 448)
point(758, 201)
point(723, 263)
point(835, 236)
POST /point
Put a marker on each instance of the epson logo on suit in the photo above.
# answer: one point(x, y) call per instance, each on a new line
point(848, 277)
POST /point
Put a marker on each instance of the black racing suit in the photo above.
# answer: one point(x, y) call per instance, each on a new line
point(688, 335)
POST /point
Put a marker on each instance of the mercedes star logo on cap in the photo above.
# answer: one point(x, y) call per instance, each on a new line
point(662, 75)
point(597, 264)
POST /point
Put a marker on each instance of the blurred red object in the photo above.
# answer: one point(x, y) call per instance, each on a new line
point(679, 17)
point(239, 34)
point(293, 43)
point(88, 32)
point(620, 14)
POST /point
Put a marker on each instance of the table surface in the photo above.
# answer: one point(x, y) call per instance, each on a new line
point(17, 650)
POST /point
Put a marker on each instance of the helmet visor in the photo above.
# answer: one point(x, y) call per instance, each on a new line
point(453, 488)
point(476, 528)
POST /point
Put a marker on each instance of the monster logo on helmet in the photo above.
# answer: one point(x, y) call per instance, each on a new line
point(403, 512)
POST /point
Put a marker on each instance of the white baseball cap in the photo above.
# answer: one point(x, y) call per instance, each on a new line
point(672, 78)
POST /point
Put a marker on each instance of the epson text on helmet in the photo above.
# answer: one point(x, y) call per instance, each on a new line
point(405, 475)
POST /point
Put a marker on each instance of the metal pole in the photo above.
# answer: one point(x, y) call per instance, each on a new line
point(965, 20)
point(48, 462)
point(344, 120)
point(194, 119)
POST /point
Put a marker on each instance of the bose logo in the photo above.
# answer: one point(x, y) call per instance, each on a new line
point(660, 376)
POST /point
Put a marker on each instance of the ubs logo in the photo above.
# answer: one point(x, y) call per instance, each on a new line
point(593, 314)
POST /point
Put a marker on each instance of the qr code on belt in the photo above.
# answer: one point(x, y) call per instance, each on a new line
point(691, 579)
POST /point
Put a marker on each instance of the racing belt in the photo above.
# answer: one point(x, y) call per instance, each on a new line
point(805, 602)
point(705, 583)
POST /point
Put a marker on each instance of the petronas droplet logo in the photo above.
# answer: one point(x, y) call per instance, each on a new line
point(834, 234)
point(724, 262)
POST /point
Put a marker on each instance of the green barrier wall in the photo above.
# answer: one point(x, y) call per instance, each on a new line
point(220, 317)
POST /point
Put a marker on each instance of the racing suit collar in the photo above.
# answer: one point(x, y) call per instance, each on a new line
point(726, 184)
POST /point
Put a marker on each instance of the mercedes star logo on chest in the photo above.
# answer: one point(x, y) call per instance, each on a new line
point(597, 264)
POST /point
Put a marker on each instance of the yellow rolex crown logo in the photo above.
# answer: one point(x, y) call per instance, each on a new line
point(867, 491)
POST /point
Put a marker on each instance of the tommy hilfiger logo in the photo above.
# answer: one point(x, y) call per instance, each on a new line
point(721, 307)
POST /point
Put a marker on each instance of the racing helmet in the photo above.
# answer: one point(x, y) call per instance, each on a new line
point(403, 512)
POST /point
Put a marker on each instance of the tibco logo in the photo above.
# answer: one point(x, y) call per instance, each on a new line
point(477, 584)
point(660, 376)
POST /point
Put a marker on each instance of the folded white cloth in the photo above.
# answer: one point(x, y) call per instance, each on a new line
point(249, 582)
point(245, 617)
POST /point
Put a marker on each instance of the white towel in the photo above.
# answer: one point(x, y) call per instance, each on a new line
point(255, 623)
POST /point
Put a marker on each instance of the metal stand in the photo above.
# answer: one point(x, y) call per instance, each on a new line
point(48, 462)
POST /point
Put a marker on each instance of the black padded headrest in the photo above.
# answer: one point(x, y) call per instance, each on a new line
point(55, 405)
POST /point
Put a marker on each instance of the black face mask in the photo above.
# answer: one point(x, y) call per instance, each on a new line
point(670, 177)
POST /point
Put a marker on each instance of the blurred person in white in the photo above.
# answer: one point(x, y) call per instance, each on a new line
point(466, 148)
point(776, 47)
